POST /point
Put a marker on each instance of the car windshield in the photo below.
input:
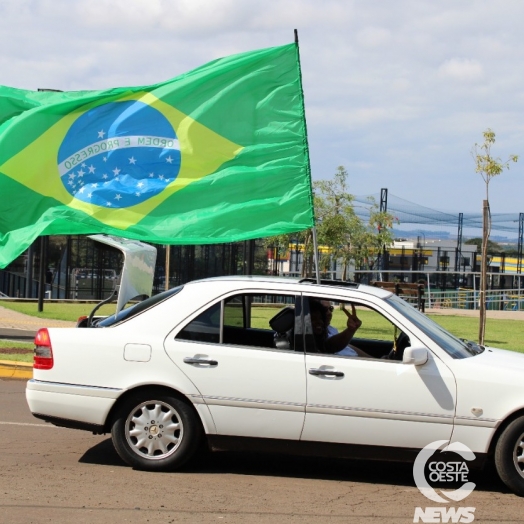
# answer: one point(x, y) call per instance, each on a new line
point(451, 344)
point(132, 311)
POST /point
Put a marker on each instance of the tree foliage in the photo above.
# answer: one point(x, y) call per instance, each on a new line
point(348, 239)
point(487, 165)
point(493, 247)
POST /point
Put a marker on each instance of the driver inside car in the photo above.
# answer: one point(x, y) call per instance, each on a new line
point(327, 338)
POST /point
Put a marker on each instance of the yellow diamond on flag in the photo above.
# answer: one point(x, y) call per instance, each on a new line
point(118, 159)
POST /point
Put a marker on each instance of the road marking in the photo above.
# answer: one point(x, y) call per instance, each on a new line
point(27, 424)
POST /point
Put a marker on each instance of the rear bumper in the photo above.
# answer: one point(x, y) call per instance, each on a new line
point(78, 406)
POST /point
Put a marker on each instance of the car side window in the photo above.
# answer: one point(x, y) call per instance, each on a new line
point(248, 320)
point(204, 328)
point(234, 312)
point(352, 330)
point(258, 321)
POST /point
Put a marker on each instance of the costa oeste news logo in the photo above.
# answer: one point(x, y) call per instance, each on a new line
point(443, 471)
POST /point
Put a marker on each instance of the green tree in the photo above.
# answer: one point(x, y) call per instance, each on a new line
point(493, 247)
point(488, 167)
point(349, 239)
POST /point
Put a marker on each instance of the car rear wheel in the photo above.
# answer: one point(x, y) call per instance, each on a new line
point(154, 431)
point(509, 456)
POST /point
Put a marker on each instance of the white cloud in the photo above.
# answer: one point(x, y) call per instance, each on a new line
point(399, 90)
point(461, 69)
point(373, 37)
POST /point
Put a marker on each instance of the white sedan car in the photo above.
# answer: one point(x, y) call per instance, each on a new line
point(253, 363)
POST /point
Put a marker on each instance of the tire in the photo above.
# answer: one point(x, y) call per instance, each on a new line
point(509, 456)
point(155, 431)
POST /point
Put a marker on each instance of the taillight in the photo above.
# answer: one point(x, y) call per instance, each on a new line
point(43, 353)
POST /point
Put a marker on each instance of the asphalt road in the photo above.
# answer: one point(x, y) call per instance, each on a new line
point(57, 475)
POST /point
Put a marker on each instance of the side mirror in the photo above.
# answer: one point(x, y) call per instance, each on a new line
point(415, 356)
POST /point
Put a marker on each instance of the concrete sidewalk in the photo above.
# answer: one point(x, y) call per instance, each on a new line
point(10, 319)
point(508, 315)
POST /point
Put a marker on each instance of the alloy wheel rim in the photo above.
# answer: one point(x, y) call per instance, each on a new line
point(518, 455)
point(154, 430)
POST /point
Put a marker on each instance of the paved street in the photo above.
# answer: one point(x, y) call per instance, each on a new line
point(49, 474)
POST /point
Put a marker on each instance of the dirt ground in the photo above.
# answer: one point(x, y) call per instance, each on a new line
point(15, 351)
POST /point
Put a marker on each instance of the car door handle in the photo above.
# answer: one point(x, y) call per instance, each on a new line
point(196, 360)
point(325, 372)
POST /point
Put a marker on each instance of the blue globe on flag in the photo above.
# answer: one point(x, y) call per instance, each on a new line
point(119, 154)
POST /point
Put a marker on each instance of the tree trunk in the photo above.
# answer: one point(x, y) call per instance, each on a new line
point(483, 272)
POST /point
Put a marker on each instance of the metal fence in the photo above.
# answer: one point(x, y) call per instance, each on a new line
point(87, 270)
point(440, 293)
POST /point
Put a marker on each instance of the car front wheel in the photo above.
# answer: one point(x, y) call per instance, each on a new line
point(156, 432)
point(509, 456)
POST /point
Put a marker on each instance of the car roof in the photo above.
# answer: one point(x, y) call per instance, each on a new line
point(308, 284)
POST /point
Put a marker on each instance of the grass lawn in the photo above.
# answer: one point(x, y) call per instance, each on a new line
point(500, 333)
point(18, 351)
point(57, 311)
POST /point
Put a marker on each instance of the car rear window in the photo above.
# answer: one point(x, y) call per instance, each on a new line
point(132, 311)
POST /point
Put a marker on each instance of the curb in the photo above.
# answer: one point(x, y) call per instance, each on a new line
point(13, 369)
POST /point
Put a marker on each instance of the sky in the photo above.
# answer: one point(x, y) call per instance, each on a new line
point(396, 91)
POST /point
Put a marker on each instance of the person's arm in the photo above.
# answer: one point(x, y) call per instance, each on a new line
point(341, 340)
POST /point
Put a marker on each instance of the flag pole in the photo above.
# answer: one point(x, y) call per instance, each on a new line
point(167, 265)
point(308, 167)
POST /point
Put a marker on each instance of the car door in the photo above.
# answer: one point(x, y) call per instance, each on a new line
point(229, 351)
point(377, 401)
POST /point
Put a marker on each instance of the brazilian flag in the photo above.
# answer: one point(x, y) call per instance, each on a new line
point(218, 154)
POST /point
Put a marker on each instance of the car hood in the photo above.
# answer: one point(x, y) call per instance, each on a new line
point(503, 357)
point(493, 366)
